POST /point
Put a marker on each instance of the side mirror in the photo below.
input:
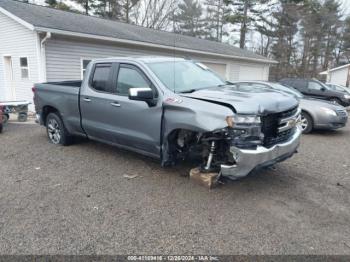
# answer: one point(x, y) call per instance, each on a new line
point(323, 89)
point(142, 94)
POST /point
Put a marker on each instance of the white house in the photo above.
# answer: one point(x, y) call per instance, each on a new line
point(39, 44)
point(339, 75)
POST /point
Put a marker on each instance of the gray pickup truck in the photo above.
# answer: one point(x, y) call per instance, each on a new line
point(172, 109)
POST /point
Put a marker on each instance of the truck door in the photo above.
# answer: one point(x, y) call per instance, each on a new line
point(95, 103)
point(109, 116)
point(137, 124)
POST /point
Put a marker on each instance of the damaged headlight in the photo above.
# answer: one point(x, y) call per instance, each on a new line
point(242, 120)
point(244, 130)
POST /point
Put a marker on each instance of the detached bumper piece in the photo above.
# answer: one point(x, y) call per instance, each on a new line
point(248, 160)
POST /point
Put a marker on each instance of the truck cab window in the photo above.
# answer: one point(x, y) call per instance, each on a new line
point(129, 78)
point(101, 78)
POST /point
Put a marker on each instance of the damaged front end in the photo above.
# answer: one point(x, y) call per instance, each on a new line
point(248, 142)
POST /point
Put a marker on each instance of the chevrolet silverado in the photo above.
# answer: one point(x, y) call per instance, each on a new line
point(172, 109)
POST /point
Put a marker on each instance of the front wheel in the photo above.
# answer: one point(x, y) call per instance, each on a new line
point(56, 131)
point(306, 123)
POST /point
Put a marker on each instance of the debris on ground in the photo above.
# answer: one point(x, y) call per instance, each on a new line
point(37, 168)
point(130, 176)
point(209, 180)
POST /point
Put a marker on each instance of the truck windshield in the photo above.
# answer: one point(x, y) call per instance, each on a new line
point(185, 76)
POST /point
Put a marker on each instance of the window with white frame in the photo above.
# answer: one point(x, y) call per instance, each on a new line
point(23, 61)
point(84, 64)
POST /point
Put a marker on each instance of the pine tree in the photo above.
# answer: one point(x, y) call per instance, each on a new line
point(58, 5)
point(331, 25)
point(284, 32)
point(115, 9)
point(85, 4)
point(245, 13)
point(345, 46)
point(215, 16)
point(189, 20)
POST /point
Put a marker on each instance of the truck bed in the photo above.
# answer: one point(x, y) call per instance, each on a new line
point(64, 96)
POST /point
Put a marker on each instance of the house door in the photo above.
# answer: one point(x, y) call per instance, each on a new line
point(10, 87)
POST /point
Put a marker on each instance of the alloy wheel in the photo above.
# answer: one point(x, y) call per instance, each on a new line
point(54, 131)
point(304, 122)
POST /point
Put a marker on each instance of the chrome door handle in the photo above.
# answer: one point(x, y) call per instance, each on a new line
point(86, 99)
point(116, 104)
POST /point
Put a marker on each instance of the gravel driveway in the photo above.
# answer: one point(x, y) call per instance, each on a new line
point(76, 200)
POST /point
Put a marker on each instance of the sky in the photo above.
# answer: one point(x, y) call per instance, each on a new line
point(346, 6)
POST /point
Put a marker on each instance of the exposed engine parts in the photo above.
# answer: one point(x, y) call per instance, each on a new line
point(211, 155)
point(234, 151)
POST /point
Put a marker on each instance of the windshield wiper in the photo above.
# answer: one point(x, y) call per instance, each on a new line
point(188, 91)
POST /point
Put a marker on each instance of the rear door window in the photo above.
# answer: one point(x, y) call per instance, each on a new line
point(299, 84)
point(101, 79)
point(314, 85)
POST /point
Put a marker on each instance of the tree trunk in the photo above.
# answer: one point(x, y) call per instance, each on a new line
point(87, 7)
point(244, 25)
point(127, 11)
point(218, 22)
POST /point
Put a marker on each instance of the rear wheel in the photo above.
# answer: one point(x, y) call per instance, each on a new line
point(22, 117)
point(56, 131)
point(306, 123)
point(5, 118)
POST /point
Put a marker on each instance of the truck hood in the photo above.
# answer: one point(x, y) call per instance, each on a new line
point(257, 101)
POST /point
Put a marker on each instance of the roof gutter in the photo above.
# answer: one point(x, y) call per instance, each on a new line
point(132, 42)
point(47, 36)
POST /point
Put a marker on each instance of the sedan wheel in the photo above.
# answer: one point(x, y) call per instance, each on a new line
point(306, 123)
point(54, 131)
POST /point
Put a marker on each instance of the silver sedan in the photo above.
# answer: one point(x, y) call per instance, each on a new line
point(316, 114)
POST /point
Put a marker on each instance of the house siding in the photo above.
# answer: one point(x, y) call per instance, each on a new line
point(339, 77)
point(2, 79)
point(17, 41)
point(63, 57)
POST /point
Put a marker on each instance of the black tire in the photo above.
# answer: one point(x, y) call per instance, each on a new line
point(56, 131)
point(5, 118)
point(22, 117)
point(336, 100)
point(306, 123)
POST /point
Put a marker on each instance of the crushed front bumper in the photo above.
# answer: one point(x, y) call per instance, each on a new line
point(248, 160)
